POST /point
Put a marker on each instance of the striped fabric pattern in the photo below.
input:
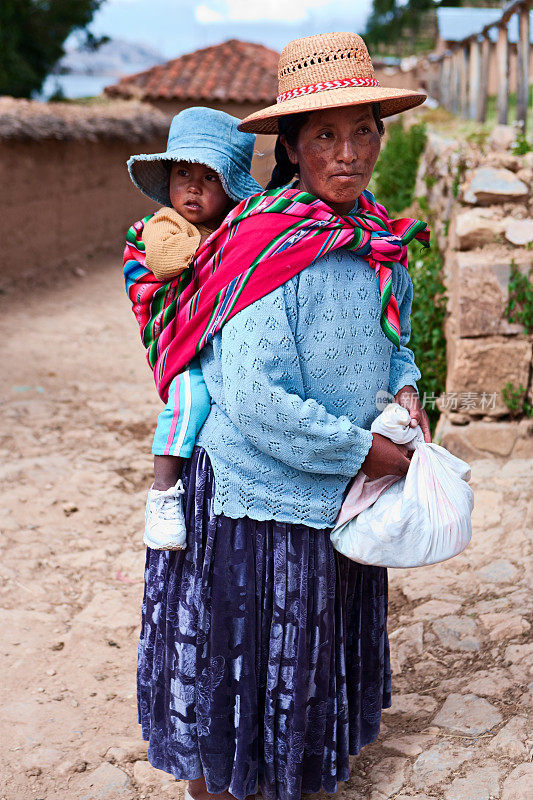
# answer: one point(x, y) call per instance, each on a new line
point(153, 300)
point(263, 242)
point(324, 86)
point(180, 402)
point(186, 411)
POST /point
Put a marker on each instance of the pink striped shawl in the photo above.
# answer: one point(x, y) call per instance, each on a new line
point(264, 242)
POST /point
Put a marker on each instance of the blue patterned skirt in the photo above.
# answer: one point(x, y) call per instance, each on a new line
point(263, 654)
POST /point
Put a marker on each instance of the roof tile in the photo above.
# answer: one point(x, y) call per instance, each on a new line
point(233, 71)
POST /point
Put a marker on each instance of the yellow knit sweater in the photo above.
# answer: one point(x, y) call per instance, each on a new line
point(171, 243)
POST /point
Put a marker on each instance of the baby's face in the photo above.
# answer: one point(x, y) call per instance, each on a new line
point(197, 194)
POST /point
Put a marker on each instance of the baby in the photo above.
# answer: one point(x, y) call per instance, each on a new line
point(203, 174)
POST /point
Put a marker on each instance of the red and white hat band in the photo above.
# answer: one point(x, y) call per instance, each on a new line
point(325, 86)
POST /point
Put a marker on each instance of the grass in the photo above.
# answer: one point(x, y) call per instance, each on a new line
point(394, 184)
point(395, 174)
point(492, 110)
point(444, 122)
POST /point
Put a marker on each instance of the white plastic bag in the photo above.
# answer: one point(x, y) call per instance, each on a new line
point(420, 519)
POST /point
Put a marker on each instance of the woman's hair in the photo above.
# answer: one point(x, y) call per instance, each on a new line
point(290, 126)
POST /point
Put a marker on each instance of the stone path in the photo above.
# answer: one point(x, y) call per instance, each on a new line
point(462, 653)
point(77, 410)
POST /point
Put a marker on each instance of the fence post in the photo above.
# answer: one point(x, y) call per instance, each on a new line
point(446, 86)
point(463, 64)
point(475, 76)
point(503, 74)
point(455, 82)
point(484, 80)
point(522, 66)
point(440, 82)
point(433, 79)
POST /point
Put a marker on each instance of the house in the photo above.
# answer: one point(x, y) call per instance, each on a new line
point(236, 77)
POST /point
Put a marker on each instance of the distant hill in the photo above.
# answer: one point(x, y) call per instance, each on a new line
point(114, 59)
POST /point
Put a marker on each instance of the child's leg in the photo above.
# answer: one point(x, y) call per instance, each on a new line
point(178, 424)
point(167, 470)
point(177, 427)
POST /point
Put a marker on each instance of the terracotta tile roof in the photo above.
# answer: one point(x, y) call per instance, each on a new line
point(232, 71)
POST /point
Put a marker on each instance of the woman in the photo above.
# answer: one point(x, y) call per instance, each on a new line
point(263, 658)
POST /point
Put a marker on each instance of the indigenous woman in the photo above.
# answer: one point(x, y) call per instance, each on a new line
point(263, 657)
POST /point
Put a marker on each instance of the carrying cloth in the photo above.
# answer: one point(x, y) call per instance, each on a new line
point(171, 242)
point(263, 242)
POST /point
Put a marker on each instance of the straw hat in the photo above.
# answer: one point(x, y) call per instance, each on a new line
point(329, 70)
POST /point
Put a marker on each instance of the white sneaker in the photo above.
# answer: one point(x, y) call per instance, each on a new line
point(164, 522)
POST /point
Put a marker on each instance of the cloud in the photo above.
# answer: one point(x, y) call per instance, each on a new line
point(206, 15)
point(257, 10)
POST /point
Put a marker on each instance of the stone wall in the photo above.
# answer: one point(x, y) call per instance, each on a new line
point(482, 201)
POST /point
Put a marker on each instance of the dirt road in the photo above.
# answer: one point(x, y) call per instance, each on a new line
point(78, 408)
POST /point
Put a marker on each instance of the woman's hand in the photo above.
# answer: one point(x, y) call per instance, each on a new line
point(408, 398)
point(386, 458)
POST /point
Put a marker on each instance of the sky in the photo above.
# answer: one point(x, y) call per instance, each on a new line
point(174, 27)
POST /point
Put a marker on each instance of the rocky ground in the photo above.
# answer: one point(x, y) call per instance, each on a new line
point(78, 409)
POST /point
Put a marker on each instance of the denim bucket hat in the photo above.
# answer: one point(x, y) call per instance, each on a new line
point(202, 136)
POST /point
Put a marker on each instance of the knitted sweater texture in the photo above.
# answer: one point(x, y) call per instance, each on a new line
point(293, 380)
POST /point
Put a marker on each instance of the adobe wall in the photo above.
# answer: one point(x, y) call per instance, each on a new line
point(65, 203)
point(66, 194)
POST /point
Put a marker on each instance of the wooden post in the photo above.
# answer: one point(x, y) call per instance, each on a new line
point(440, 90)
point(503, 74)
point(475, 77)
point(484, 80)
point(432, 79)
point(435, 79)
point(446, 95)
point(455, 82)
point(522, 67)
point(463, 63)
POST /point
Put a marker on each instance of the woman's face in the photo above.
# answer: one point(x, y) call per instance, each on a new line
point(336, 151)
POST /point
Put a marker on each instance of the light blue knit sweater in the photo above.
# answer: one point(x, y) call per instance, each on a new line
point(293, 380)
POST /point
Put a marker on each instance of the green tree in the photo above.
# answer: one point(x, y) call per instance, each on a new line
point(403, 27)
point(32, 34)
point(381, 24)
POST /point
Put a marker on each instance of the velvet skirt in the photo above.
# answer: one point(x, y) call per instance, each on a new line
point(263, 654)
